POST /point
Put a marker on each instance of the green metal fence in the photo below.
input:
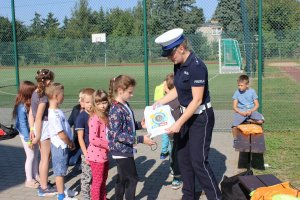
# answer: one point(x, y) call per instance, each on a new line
point(48, 40)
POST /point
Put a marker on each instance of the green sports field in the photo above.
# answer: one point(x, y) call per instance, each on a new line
point(280, 103)
point(75, 78)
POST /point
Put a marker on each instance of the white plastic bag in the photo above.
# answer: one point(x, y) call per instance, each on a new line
point(158, 119)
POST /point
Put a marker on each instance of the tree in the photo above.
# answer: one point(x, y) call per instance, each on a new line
point(79, 25)
point(281, 16)
point(228, 13)
point(36, 28)
point(138, 26)
point(5, 30)
point(51, 26)
point(121, 22)
point(168, 14)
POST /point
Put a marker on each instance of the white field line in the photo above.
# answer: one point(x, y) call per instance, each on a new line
point(215, 76)
point(7, 80)
point(8, 93)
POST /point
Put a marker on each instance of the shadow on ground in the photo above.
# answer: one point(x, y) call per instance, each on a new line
point(12, 161)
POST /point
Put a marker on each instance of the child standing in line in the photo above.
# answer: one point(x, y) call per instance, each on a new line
point(122, 137)
point(61, 137)
point(38, 121)
point(159, 93)
point(20, 114)
point(174, 138)
point(245, 105)
point(97, 152)
point(82, 128)
point(75, 155)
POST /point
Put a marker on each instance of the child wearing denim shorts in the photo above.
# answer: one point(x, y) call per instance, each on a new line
point(60, 136)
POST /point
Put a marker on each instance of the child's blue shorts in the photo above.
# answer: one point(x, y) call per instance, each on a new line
point(239, 119)
point(59, 160)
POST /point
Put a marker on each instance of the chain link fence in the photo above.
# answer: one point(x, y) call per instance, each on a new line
point(58, 35)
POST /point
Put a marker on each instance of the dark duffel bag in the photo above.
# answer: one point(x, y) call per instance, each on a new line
point(7, 132)
point(232, 189)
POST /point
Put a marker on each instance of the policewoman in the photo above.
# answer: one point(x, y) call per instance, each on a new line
point(197, 120)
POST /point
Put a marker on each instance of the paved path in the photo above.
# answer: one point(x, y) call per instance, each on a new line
point(154, 180)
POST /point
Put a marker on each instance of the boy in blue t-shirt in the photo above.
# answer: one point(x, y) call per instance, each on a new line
point(245, 105)
point(82, 128)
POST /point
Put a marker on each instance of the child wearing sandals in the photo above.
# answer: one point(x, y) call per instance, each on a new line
point(20, 114)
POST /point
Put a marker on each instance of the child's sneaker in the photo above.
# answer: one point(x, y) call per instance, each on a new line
point(50, 191)
point(176, 184)
point(164, 155)
point(70, 198)
point(70, 193)
point(171, 173)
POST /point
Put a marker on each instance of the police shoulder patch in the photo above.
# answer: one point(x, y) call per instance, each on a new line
point(199, 81)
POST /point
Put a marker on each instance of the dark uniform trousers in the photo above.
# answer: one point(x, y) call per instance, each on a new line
point(193, 149)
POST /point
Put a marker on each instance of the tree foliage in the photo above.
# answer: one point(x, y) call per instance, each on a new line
point(228, 13)
point(70, 40)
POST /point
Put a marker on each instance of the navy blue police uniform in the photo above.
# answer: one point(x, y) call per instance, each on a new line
point(196, 133)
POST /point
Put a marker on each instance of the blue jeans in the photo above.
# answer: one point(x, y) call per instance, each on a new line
point(165, 147)
point(59, 160)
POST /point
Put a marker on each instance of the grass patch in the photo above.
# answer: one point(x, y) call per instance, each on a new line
point(283, 156)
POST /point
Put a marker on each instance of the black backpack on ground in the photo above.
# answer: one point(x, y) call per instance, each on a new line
point(7, 133)
point(231, 187)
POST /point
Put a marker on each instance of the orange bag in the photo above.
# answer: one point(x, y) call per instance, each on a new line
point(248, 129)
point(266, 193)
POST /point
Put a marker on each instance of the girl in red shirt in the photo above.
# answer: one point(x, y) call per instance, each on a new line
point(97, 152)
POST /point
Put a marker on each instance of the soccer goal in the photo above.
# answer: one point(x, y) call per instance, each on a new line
point(230, 59)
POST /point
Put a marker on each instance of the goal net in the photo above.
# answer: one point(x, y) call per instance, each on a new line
point(230, 60)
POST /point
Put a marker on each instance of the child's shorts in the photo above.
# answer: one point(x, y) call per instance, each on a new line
point(59, 160)
point(45, 133)
point(239, 119)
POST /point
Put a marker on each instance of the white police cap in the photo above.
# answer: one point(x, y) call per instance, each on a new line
point(169, 40)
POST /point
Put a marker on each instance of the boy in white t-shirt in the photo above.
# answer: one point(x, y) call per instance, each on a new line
point(61, 137)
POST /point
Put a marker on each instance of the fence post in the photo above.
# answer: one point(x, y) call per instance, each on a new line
point(260, 55)
point(146, 52)
point(13, 22)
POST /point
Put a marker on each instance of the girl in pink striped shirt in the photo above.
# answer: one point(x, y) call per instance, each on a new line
point(97, 152)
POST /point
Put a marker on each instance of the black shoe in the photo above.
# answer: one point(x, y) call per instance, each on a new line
point(164, 155)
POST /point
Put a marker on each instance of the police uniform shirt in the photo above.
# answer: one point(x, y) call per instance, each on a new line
point(192, 73)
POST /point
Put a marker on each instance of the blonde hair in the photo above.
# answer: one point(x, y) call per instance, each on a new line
point(121, 81)
point(186, 44)
point(100, 96)
point(81, 95)
point(53, 89)
point(87, 92)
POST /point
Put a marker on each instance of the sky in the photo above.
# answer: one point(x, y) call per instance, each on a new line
point(25, 9)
